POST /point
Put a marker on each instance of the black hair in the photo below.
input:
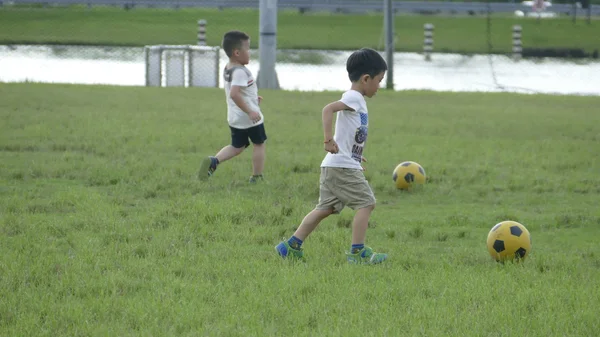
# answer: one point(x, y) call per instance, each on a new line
point(233, 40)
point(365, 61)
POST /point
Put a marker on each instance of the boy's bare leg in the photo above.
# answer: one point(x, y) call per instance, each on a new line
point(311, 221)
point(360, 224)
point(258, 159)
point(292, 247)
point(228, 152)
point(359, 253)
point(209, 164)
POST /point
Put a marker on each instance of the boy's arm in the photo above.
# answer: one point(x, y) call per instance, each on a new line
point(236, 95)
point(327, 115)
point(238, 99)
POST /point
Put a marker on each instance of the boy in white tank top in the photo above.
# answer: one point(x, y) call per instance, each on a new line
point(246, 121)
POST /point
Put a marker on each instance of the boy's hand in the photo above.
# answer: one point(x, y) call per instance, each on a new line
point(254, 117)
point(259, 99)
point(364, 160)
point(331, 146)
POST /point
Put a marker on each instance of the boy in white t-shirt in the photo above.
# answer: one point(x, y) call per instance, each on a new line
point(342, 181)
point(245, 119)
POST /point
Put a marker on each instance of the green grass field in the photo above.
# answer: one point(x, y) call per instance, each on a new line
point(105, 231)
point(114, 26)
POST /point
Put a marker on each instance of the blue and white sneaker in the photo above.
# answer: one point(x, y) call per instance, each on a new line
point(366, 256)
point(284, 250)
point(208, 167)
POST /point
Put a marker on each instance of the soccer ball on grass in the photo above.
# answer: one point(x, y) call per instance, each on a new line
point(509, 240)
point(407, 174)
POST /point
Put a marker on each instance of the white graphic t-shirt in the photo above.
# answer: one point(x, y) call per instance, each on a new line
point(241, 76)
point(350, 132)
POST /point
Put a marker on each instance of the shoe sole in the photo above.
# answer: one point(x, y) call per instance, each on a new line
point(353, 261)
point(203, 173)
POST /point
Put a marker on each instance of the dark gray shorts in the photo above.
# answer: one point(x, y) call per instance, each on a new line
point(242, 137)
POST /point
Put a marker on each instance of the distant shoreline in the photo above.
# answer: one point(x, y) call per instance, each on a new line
point(453, 34)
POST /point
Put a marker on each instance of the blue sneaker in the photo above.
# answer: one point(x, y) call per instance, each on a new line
point(366, 256)
point(207, 167)
point(284, 250)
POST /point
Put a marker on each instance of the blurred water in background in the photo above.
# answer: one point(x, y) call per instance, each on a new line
point(312, 70)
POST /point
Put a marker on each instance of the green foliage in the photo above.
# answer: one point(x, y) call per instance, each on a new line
point(104, 230)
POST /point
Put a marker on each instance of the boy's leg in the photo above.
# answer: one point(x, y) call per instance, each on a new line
point(209, 164)
point(328, 204)
point(229, 152)
point(239, 141)
point(292, 247)
point(258, 137)
point(258, 159)
point(311, 221)
point(360, 225)
point(357, 194)
point(359, 253)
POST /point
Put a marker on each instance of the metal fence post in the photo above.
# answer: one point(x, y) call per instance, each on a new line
point(267, 45)
point(517, 47)
point(389, 42)
point(202, 32)
point(428, 41)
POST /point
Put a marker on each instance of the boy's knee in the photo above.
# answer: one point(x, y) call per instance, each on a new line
point(369, 208)
point(322, 213)
point(330, 211)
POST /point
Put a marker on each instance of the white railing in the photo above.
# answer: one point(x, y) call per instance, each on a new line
point(182, 66)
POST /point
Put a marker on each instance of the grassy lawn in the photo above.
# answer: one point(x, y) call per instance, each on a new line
point(104, 229)
point(115, 26)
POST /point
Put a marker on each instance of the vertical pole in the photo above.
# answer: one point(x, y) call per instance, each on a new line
point(517, 45)
point(589, 12)
point(147, 59)
point(267, 45)
point(217, 66)
point(428, 41)
point(190, 67)
point(202, 32)
point(539, 7)
point(153, 56)
point(389, 42)
point(574, 11)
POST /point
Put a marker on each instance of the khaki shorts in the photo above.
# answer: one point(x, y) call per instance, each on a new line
point(340, 187)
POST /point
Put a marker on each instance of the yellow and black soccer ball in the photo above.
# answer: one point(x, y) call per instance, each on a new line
point(509, 240)
point(407, 174)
